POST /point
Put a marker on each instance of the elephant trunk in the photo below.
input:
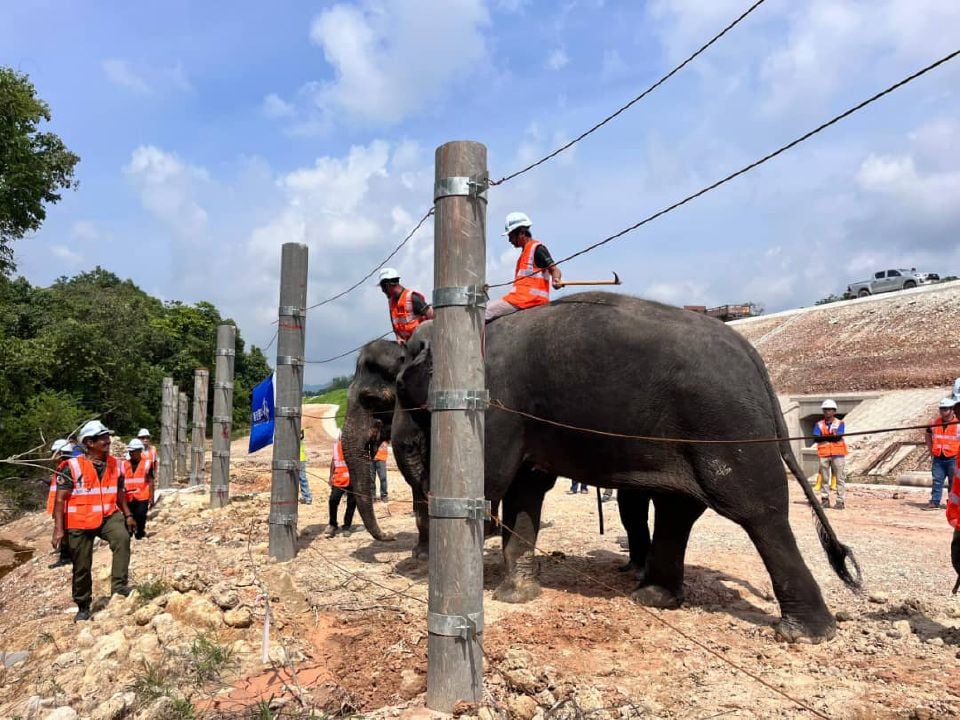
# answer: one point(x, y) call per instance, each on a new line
point(360, 433)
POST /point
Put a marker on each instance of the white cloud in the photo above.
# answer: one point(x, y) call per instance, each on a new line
point(275, 107)
point(64, 253)
point(167, 187)
point(86, 231)
point(120, 73)
point(388, 62)
point(558, 59)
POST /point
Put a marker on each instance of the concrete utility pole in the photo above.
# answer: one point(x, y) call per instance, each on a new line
point(222, 416)
point(176, 433)
point(458, 398)
point(289, 393)
point(168, 426)
point(201, 380)
point(183, 408)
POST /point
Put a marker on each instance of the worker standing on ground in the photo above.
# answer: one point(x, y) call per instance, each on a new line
point(139, 484)
point(340, 486)
point(832, 451)
point(91, 502)
point(535, 270)
point(149, 451)
point(379, 470)
point(408, 308)
point(943, 442)
point(62, 452)
point(306, 497)
point(953, 517)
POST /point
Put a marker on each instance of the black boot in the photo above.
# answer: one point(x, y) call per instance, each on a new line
point(83, 613)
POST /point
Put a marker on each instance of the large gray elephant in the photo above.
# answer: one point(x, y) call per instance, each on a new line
point(621, 365)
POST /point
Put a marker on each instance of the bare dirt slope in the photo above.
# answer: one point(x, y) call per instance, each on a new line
point(888, 342)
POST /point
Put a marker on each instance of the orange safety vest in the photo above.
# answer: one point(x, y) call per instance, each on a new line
point(92, 499)
point(52, 495)
point(402, 316)
point(341, 474)
point(150, 454)
point(945, 440)
point(381, 452)
point(531, 285)
point(953, 503)
point(135, 483)
point(834, 448)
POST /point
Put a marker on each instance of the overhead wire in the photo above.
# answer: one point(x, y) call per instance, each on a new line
point(348, 352)
point(756, 163)
point(634, 101)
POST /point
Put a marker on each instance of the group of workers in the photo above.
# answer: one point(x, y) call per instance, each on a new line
point(96, 495)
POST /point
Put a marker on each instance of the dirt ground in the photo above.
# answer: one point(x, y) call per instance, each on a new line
point(349, 615)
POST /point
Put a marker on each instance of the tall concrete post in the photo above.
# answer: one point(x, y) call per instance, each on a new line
point(167, 434)
point(457, 401)
point(183, 444)
point(222, 416)
point(201, 379)
point(289, 396)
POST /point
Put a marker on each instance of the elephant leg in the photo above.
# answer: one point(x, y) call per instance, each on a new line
point(521, 523)
point(803, 614)
point(662, 585)
point(634, 508)
point(421, 551)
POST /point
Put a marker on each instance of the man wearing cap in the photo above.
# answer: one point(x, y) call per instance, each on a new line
point(91, 502)
point(535, 271)
point(62, 452)
point(149, 451)
point(408, 308)
point(943, 442)
point(139, 485)
point(832, 451)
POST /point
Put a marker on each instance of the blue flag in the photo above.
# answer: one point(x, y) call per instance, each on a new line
point(261, 422)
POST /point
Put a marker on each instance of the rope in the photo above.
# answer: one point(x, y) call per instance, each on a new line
point(756, 163)
point(635, 100)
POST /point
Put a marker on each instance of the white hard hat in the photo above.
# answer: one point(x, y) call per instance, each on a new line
point(390, 274)
point(516, 220)
point(59, 445)
point(93, 429)
point(143, 433)
point(135, 444)
point(947, 402)
point(828, 405)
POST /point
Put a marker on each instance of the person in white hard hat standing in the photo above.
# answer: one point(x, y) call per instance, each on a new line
point(138, 482)
point(943, 442)
point(832, 451)
point(408, 308)
point(535, 271)
point(91, 502)
point(149, 451)
point(62, 452)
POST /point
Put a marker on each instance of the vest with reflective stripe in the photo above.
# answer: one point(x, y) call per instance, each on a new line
point(953, 503)
point(834, 448)
point(381, 455)
point(402, 316)
point(341, 475)
point(531, 285)
point(946, 440)
point(92, 499)
point(135, 483)
point(150, 454)
point(52, 495)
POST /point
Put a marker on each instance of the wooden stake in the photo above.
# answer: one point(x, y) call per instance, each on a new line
point(455, 617)
point(222, 416)
point(289, 398)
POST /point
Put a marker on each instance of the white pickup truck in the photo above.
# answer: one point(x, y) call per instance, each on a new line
point(890, 280)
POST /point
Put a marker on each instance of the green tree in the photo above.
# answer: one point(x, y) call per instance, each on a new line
point(34, 165)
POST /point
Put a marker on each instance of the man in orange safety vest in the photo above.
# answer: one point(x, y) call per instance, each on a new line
point(408, 308)
point(138, 474)
point(340, 486)
point(62, 452)
point(832, 453)
point(534, 273)
point(943, 442)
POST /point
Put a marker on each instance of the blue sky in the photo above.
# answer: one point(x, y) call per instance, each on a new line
point(211, 133)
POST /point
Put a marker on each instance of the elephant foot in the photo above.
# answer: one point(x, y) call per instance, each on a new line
point(517, 591)
point(639, 571)
point(815, 632)
point(421, 552)
point(657, 596)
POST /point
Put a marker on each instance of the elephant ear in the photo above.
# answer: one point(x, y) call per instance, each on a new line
point(419, 342)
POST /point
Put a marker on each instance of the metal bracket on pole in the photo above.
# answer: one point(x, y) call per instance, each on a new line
point(222, 418)
point(468, 508)
point(227, 352)
point(289, 360)
point(223, 386)
point(220, 489)
point(286, 465)
point(284, 411)
point(221, 453)
point(466, 295)
point(458, 399)
point(464, 627)
point(291, 311)
point(472, 187)
point(282, 519)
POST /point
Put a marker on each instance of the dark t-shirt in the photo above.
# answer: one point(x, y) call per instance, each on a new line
point(420, 305)
point(541, 257)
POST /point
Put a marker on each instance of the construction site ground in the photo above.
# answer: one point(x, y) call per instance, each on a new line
point(348, 631)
